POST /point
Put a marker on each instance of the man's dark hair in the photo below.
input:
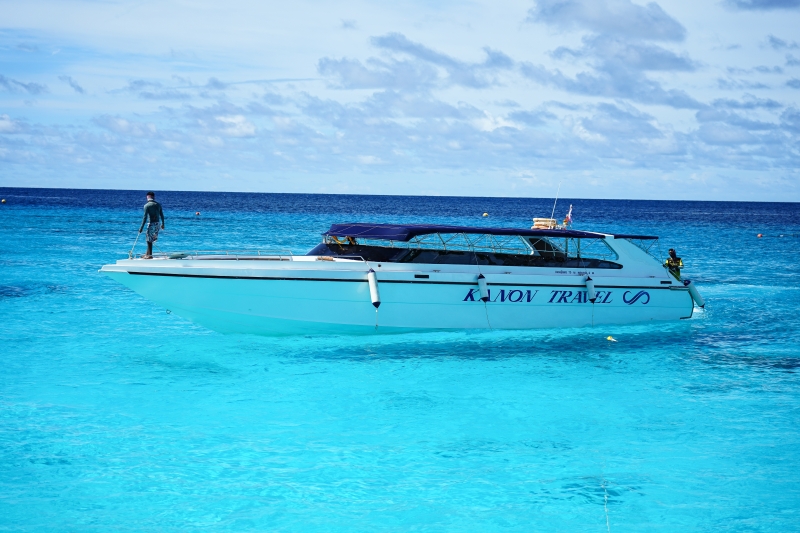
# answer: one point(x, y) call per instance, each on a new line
point(672, 250)
point(151, 193)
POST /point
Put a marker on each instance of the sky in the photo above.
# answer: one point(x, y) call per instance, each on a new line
point(604, 98)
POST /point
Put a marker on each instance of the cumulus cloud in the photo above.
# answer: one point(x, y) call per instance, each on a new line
point(215, 84)
point(617, 17)
point(617, 54)
point(72, 83)
point(167, 94)
point(621, 121)
point(14, 86)
point(450, 137)
point(763, 4)
point(397, 42)
point(612, 79)
point(790, 120)
point(417, 67)
point(748, 102)
point(149, 90)
point(725, 134)
point(780, 44)
point(7, 125)
point(235, 126)
point(418, 132)
point(126, 127)
point(761, 69)
point(377, 73)
point(733, 118)
point(731, 84)
point(25, 47)
point(633, 55)
point(531, 118)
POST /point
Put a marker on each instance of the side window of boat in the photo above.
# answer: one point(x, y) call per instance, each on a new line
point(594, 249)
point(378, 253)
point(648, 246)
point(607, 264)
point(516, 260)
point(492, 259)
point(544, 248)
point(398, 255)
point(320, 249)
point(456, 258)
point(571, 252)
point(421, 256)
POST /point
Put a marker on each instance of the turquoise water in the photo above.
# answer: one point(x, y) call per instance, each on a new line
point(117, 416)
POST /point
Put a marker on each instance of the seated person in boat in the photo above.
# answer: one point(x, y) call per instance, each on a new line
point(674, 264)
point(347, 240)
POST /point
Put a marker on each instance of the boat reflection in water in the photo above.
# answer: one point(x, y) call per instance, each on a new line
point(367, 278)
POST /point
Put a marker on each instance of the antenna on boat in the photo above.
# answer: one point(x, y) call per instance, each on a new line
point(554, 203)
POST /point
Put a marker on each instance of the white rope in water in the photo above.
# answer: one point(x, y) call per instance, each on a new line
point(605, 506)
point(486, 309)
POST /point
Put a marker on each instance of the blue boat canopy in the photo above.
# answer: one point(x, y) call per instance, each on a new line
point(639, 237)
point(406, 232)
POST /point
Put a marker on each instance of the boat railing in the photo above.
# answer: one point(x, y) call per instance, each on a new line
point(340, 257)
point(237, 255)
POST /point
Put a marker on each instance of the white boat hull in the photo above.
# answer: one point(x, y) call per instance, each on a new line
point(319, 297)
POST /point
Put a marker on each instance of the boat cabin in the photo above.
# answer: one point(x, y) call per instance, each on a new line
point(457, 245)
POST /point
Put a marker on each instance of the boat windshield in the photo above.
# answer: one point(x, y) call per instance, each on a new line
point(477, 249)
point(648, 246)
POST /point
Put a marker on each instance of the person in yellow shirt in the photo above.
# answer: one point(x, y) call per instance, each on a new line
point(674, 264)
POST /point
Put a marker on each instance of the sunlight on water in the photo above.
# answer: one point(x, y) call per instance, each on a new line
point(115, 415)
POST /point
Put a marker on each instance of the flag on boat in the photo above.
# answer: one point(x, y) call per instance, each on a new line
point(568, 218)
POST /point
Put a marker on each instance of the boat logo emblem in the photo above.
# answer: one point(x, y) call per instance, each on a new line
point(639, 295)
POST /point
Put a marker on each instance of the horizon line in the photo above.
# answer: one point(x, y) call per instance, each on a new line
point(401, 195)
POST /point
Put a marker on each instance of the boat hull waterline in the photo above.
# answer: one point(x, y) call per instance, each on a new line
point(319, 297)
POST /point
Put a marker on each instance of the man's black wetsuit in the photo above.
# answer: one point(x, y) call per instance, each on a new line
point(153, 210)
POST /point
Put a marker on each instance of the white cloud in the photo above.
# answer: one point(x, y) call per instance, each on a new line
point(764, 5)
point(490, 123)
point(72, 83)
point(126, 127)
point(582, 133)
point(7, 125)
point(618, 17)
point(236, 126)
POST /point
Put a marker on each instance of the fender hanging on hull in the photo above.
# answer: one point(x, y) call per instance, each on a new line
point(694, 293)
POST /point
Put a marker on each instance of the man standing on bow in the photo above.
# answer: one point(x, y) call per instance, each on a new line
point(152, 209)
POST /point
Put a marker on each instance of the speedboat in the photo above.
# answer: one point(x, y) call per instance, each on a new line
point(390, 278)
